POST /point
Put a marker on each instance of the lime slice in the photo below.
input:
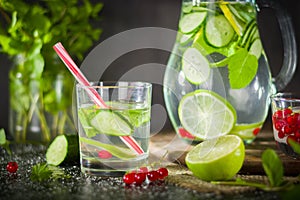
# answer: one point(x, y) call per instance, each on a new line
point(191, 21)
point(111, 123)
point(63, 149)
point(218, 31)
point(217, 159)
point(206, 115)
point(195, 66)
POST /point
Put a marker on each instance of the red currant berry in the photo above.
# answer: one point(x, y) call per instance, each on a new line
point(286, 112)
point(12, 167)
point(185, 134)
point(139, 178)
point(291, 120)
point(163, 172)
point(152, 175)
point(256, 131)
point(128, 178)
point(104, 154)
point(278, 114)
point(281, 134)
point(143, 169)
point(288, 130)
point(279, 125)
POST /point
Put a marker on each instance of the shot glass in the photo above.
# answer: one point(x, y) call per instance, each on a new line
point(114, 137)
point(286, 122)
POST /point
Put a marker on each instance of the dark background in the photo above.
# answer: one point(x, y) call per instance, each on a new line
point(121, 15)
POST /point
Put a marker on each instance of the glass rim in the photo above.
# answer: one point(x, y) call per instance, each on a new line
point(288, 96)
point(114, 84)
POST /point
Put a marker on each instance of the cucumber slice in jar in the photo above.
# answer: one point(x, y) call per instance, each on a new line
point(111, 123)
point(256, 48)
point(191, 21)
point(218, 31)
point(195, 66)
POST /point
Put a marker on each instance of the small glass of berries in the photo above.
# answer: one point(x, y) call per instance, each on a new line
point(286, 123)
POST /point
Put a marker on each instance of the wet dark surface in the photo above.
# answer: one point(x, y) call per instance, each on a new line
point(79, 186)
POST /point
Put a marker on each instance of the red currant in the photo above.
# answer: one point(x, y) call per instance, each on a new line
point(163, 172)
point(256, 131)
point(104, 154)
point(286, 112)
point(12, 167)
point(278, 114)
point(152, 175)
point(279, 125)
point(143, 169)
point(129, 178)
point(139, 178)
point(185, 134)
point(288, 130)
point(281, 134)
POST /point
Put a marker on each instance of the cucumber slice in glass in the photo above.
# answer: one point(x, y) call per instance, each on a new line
point(218, 31)
point(191, 21)
point(111, 123)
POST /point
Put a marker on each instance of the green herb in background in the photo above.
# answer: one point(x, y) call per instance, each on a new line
point(28, 30)
point(3, 142)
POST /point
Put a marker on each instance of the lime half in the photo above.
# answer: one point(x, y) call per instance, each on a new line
point(206, 115)
point(217, 159)
point(195, 66)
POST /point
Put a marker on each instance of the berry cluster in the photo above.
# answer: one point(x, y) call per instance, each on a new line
point(12, 167)
point(287, 123)
point(141, 175)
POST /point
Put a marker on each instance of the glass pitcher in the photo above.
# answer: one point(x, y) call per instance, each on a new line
point(217, 79)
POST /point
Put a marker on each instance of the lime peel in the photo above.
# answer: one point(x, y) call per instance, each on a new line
point(217, 159)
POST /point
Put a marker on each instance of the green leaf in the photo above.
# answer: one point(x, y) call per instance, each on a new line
point(273, 167)
point(2, 137)
point(242, 68)
point(295, 145)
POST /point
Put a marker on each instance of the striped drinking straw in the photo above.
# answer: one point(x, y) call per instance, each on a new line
point(70, 64)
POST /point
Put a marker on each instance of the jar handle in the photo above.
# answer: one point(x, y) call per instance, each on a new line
point(289, 44)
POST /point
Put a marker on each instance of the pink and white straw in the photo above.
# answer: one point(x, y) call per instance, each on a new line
point(81, 79)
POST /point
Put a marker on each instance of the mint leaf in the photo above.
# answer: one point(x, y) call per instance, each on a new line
point(273, 167)
point(2, 137)
point(295, 145)
point(242, 68)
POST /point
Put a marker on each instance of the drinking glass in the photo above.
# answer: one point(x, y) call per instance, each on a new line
point(114, 138)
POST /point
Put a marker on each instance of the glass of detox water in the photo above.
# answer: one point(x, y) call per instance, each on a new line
point(113, 138)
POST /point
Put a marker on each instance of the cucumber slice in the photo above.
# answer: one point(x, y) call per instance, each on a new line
point(218, 31)
point(191, 21)
point(186, 38)
point(63, 149)
point(195, 66)
point(111, 123)
point(256, 48)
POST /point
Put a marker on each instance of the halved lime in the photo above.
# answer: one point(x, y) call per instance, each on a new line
point(195, 66)
point(205, 114)
point(63, 149)
point(111, 123)
point(191, 21)
point(217, 159)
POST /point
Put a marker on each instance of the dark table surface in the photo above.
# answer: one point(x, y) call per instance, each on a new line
point(80, 186)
